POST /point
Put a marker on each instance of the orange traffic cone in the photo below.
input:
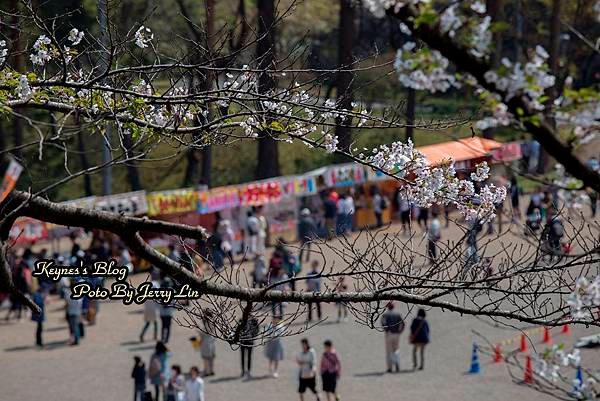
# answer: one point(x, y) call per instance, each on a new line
point(498, 354)
point(547, 337)
point(566, 329)
point(523, 343)
point(528, 378)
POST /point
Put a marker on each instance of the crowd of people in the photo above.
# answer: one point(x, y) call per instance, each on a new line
point(77, 311)
point(284, 262)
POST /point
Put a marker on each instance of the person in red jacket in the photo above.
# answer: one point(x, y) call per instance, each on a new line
point(331, 368)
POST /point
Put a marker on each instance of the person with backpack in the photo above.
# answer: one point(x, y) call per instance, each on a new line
point(393, 326)
point(138, 374)
point(331, 368)
point(158, 369)
point(306, 360)
point(553, 233)
point(434, 234)
point(307, 232)
point(419, 337)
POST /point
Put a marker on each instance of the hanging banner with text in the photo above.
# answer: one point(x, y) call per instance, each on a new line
point(218, 199)
point(260, 193)
point(13, 172)
point(171, 202)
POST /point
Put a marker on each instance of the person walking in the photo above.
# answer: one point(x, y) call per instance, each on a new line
point(249, 333)
point(207, 345)
point(330, 212)
point(194, 386)
point(158, 369)
point(274, 346)
point(259, 274)
point(176, 387)
point(378, 206)
point(419, 337)
point(74, 307)
point(515, 192)
point(227, 239)
point(263, 229)
point(393, 326)
point(434, 234)
point(313, 284)
point(39, 300)
point(306, 360)
point(307, 231)
point(151, 308)
point(342, 308)
point(423, 218)
point(404, 208)
point(331, 368)
point(166, 318)
point(252, 229)
point(138, 374)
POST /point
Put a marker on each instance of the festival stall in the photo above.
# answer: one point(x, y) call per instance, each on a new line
point(223, 203)
point(466, 153)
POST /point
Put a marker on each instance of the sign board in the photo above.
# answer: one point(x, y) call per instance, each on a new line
point(130, 203)
point(218, 199)
point(171, 202)
point(260, 193)
point(345, 175)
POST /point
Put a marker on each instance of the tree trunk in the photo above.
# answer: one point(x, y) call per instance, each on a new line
point(411, 104)
point(104, 60)
point(345, 77)
point(268, 156)
point(518, 38)
point(494, 10)
point(133, 175)
point(553, 61)
point(18, 63)
point(87, 180)
point(209, 29)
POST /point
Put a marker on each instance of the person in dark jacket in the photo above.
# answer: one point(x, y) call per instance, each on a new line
point(330, 206)
point(38, 299)
point(307, 229)
point(419, 337)
point(139, 379)
point(249, 333)
point(393, 325)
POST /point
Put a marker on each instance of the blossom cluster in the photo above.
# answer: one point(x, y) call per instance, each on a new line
point(549, 363)
point(143, 36)
point(379, 7)
point(438, 184)
point(423, 69)
point(585, 296)
point(3, 51)
point(531, 79)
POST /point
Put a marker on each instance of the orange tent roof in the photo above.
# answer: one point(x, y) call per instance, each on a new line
point(459, 150)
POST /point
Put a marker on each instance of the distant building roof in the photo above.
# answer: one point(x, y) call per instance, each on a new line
point(459, 150)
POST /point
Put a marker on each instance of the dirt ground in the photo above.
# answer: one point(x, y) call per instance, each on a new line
point(99, 369)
